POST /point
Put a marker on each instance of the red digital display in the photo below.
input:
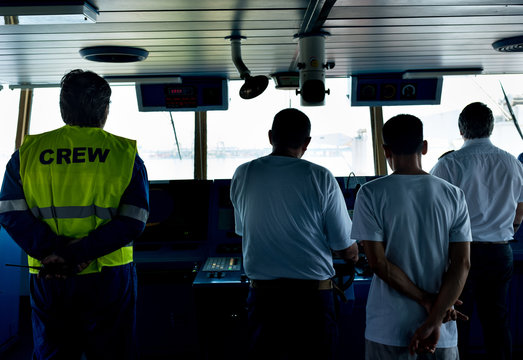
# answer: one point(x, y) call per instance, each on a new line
point(180, 97)
point(180, 91)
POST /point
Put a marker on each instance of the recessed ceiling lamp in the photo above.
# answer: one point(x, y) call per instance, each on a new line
point(513, 44)
point(74, 12)
point(114, 54)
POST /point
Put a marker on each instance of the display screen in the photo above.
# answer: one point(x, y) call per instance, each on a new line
point(194, 94)
point(178, 214)
point(179, 91)
point(181, 97)
point(392, 89)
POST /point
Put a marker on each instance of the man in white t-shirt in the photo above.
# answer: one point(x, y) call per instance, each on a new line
point(292, 215)
point(415, 230)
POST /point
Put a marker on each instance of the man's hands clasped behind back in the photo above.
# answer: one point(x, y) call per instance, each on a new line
point(55, 267)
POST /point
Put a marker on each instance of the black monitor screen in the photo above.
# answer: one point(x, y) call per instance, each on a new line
point(178, 213)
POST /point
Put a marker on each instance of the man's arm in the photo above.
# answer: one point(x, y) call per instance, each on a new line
point(519, 217)
point(33, 236)
point(427, 335)
point(392, 274)
point(38, 240)
point(122, 229)
point(349, 254)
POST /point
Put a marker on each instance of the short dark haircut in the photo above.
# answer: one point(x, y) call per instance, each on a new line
point(84, 98)
point(403, 134)
point(476, 121)
point(290, 128)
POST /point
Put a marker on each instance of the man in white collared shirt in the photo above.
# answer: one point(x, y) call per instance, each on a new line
point(492, 181)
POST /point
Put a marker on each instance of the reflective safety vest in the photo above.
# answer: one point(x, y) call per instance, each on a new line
point(73, 179)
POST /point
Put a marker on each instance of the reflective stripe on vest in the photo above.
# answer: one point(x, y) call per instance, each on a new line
point(71, 212)
point(13, 205)
point(73, 179)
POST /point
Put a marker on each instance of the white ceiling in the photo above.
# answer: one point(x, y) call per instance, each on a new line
point(188, 37)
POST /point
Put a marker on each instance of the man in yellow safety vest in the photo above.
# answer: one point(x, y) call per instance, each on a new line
point(74, 199)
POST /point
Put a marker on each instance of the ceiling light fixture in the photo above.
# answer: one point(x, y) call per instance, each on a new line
point(513, 44)
point(433, 73)
point(254, 85)
point(77, 12)
point(288, 80)
point(114, 54)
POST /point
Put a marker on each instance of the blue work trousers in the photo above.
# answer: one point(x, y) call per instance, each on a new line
point(291, 324)
point(487, 286)
point(90, 314)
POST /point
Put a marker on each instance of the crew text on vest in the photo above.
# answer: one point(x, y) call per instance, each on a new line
point(74, 155)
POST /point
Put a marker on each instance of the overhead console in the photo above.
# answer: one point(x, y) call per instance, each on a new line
point(190, 94)
point(394, 89)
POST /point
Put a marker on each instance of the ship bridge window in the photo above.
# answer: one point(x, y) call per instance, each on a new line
point(164, 158)
point(9, 100)
point(341, 135)
point(440, 122)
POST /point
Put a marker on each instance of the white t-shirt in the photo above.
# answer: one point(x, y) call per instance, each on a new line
point(492, 181)
point(291, 213)
point(416, 217)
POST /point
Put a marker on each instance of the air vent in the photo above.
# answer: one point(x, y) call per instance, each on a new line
point(114, 54)
point(513, 44)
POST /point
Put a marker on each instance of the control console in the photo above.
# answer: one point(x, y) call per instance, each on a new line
point(221, 270)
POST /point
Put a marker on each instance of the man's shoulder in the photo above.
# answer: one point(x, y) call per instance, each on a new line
point(241, 169)
point(438, 182)
point(33, 137)
point(450, 158)
point(315, 167)
point(445, 154)
point(118, 138)
point(495, 155)
point(378, 182)
point(246, 164)
point(379, 187)
point(407, 182)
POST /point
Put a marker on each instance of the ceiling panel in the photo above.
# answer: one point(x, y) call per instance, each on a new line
point(188, 37)
point(422, 10)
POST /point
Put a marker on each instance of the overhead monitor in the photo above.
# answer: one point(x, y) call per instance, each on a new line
point(192, 94)
point(392, 89)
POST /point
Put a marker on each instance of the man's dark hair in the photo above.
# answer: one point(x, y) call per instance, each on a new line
point(84, 98)
point(476, 121)
point(403, 134)
point(290, 129)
